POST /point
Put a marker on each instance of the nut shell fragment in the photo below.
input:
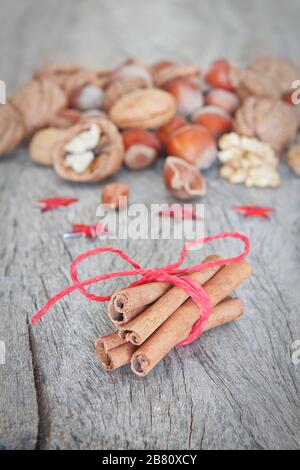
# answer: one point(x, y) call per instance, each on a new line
point(183, 180)
point(112, 193)
point(145, 109)
point(109, 153)
point(12, 129)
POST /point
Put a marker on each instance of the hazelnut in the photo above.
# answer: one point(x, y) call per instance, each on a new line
point(192, 143)
point(188, 96)
point(224, 99)
point(293, 159)
point(133, 69)
point(141, 148)
point(218, 75)
point(87, 97)
point(114, 195)
point(183, 180)
point(216, 120)
point(175, 123)
point(42, 145)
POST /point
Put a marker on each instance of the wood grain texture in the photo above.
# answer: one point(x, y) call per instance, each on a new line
point(236, 387)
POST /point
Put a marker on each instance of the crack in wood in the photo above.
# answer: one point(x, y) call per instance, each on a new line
point(44, 425)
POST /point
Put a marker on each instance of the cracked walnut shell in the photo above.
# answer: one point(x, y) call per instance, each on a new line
point(12, 129)
point(108, 154)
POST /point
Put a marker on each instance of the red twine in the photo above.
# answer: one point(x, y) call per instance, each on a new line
point(167, 273)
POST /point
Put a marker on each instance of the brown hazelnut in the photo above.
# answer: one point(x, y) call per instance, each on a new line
point(183, 180)
point(141, 148)
point(112, 193)
point(218, 75)
point(216, 120)
point(175, 123)
point(188, 96)
point(192, 143)
point(224, 99)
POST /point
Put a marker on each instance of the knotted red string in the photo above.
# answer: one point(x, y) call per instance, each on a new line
point(167, 273)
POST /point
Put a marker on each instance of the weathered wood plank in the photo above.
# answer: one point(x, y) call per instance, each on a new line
point(234, 388)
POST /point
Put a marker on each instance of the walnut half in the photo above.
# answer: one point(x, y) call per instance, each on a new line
point(249, 161)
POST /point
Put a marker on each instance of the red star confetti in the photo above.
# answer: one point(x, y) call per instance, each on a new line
point(54, 202)
point(254, 211)
point(85, 231)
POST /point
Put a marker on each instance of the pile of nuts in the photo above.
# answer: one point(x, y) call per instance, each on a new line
point(88, 123)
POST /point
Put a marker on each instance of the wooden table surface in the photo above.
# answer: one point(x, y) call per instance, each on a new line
point(236, 387)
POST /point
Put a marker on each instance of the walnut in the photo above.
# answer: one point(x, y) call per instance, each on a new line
point(166, 71)
point(266, 77)
point(271, 121)
point(150, 108)
point(58, 73)
point(38, 101)
point(42, 145)
point(293, 159)
point(71, 76)
point(90, 151)
point(249, 161)
point(12, 128)
point(120, 87)
point(75, 82)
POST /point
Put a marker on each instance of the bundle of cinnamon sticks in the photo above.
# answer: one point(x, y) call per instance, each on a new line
point(153, 318)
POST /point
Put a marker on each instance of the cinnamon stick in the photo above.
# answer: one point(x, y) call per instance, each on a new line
point(126, 304)
point(140, 328)
point(177, 328)
point(113, 352)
